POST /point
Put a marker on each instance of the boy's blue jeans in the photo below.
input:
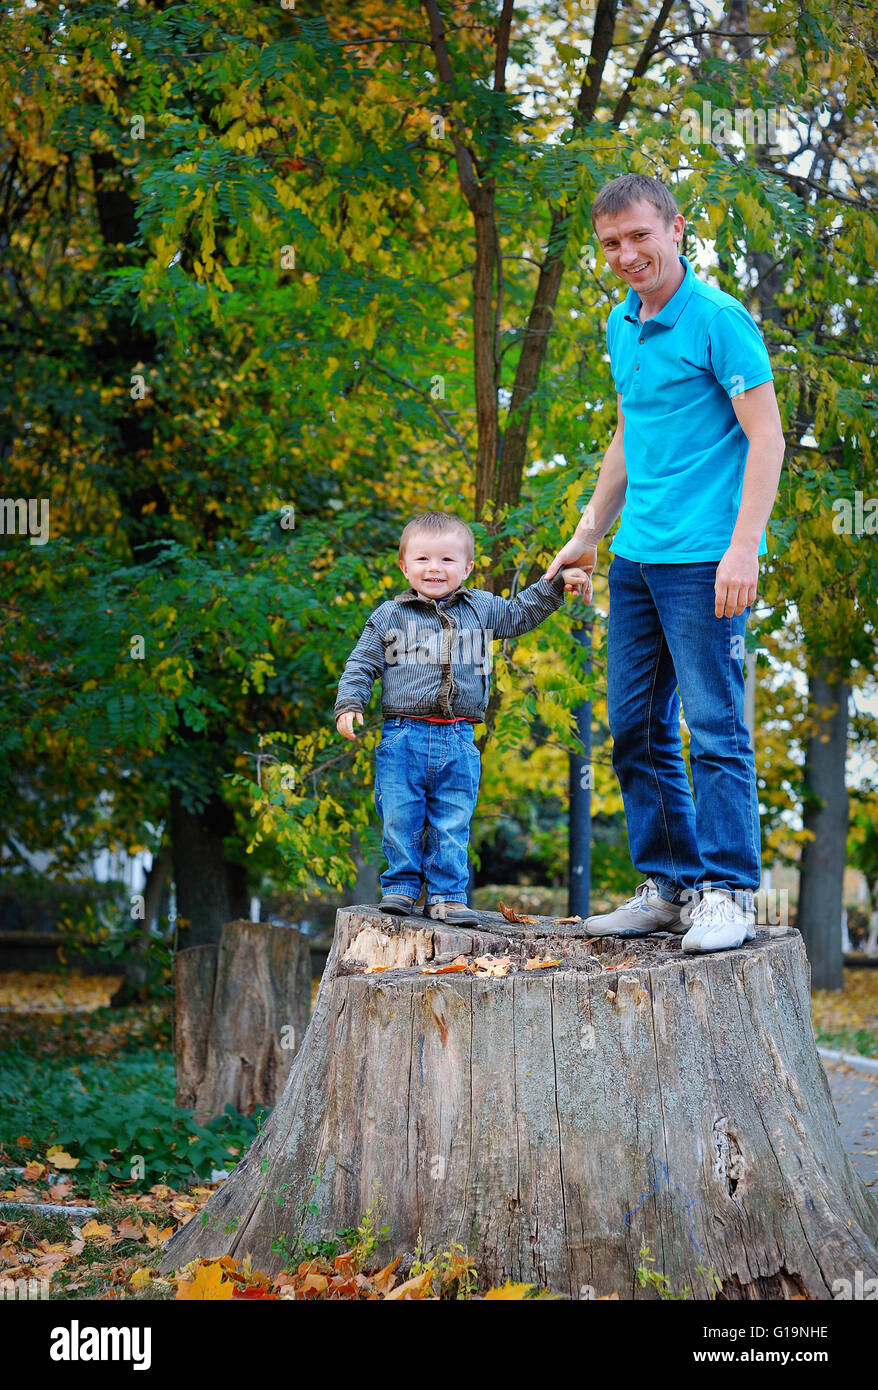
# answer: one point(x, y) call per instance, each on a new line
point(663, 633)
point(426, 785)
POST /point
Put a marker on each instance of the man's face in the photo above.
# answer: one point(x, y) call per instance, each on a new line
point(640, 248)
point(435, 563)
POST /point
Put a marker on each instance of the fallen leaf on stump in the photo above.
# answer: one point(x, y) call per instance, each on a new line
point(536, 964)
point(512, 916)
point(489, 966)
point(459, 963)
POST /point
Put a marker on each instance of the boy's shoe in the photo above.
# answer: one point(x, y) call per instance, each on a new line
point(397, 904)
point(455, 913)
point(719, 924)
point(647, 911)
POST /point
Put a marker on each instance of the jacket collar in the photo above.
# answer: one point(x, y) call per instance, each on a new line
point(412, 596)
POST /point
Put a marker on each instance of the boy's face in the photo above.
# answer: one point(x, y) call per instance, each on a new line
point(435, 563)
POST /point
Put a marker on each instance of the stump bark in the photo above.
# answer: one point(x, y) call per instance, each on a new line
point(241, 1011)
point(552, 1120)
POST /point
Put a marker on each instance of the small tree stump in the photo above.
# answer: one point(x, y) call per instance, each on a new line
point(551, 1120)
point(240, 1015)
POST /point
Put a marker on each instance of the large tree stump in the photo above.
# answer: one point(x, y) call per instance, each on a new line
point(240, 1015)
point(551, 1120)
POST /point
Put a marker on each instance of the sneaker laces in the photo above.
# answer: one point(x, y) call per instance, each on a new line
point(644, 892)
point(713, 907)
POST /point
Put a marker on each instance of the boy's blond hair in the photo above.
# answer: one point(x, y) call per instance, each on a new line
point(436, 522)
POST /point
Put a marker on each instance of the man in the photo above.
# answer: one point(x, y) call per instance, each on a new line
point(694, 462)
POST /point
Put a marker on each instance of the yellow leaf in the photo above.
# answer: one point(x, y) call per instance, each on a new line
point(507, 1291)
point(208, 1284)
point(140, 1278)
point(60, 1159)
point(419, 1287)
point(155, 1237)
point(93, 1230)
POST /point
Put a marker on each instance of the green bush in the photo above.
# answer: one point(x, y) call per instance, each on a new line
point(106, 1112)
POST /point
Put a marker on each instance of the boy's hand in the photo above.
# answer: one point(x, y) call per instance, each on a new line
point(577, 581)
point(345, 723)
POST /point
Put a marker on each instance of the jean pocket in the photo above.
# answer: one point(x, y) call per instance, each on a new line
point(466, 733)
point(391, 733)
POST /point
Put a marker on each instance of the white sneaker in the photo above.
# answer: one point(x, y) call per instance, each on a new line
point(647, 911)
point(719, 924)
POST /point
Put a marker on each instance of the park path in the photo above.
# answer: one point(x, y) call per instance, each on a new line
point(855, 1096)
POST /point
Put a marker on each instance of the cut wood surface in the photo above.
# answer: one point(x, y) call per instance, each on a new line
point(240, 1014)
point(552, 1118)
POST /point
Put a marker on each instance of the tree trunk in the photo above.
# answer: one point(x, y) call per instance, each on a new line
point(825, 814)
point(241, 1014)
point(551, 1120)
point(210, 889)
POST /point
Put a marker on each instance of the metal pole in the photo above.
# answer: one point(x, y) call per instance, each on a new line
point(581, 779)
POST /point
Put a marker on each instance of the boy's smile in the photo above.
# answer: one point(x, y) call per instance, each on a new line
point(436, 563)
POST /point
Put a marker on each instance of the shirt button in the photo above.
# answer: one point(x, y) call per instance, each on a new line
point(640, 340)
point(637, 368)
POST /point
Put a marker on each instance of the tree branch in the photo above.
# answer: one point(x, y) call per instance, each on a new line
point(420, 391)
point(642, 63)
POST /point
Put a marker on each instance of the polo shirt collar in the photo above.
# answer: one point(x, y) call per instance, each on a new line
point(676, 304)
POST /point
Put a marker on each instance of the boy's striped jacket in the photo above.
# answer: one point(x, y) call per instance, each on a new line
point(433, 657)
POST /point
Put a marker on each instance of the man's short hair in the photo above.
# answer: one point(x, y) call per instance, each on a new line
point(437, 522)
point(627, 189)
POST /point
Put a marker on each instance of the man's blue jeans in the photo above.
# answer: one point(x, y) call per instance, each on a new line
point(663, 634)
point(426, 785)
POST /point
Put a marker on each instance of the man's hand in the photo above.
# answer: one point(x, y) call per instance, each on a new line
point(345, 723)
point(736, 578)
point(577, 581)
point(575, 555)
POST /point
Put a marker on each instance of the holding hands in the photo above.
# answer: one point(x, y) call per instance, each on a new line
point(577, 580)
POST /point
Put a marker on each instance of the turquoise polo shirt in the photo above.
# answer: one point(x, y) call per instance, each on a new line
point(684, 449)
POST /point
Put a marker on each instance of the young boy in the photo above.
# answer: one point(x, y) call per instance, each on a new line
point(431, 649)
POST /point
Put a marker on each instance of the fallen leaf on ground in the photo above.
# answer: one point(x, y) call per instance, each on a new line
point(94, 1230)
point(130, 1230)
point(385, 1278)
point(155, 1237)
point(208, 1283)
point(565, 921)
point(419, 1287)
point(59, 1158)
point(507, 1291)
point(315, 1283)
